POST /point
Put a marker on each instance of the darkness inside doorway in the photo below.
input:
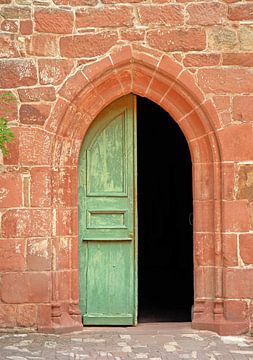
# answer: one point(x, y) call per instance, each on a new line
point(165, 250)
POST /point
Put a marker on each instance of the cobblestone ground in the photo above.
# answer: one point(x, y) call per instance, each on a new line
point(147, 341)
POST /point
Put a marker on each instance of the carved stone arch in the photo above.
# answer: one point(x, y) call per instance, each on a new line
point(164, 81)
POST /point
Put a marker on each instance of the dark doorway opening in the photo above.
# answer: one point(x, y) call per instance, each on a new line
point(165, 238)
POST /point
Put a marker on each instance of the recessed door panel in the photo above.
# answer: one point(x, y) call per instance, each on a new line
point(110, 275)
point(106, 160)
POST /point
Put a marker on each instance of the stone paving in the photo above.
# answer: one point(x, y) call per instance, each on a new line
point(146, 341)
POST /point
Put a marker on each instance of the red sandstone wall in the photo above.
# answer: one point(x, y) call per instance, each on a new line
point(44, 51)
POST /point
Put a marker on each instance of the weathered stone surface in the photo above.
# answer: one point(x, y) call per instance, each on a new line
point(235, 216)
point(240, 12)
point(26, 223)
point(206, 13)
point(238, 59)
point(222, 38)
point(177, 40)
point(132, 34)
point(15, 12)
point(42, 45)
point(26, 288)
point(8, 48)
point(38, 254)
point(54, 71)
point(34, 147)
point(26, 315)
point(9, 26)
point(10, 190)
point(40, 187)
point(232, 140)
point(238, 282)
point(26, 27)
point(221, 81)
point(34, 114)
point(12, 255)
point(230, 256)
point(8, 315)
point(54, 21)
point(45, 93)
point(243, 108)
point(61, 253)
point(105, 17)
point(87, 45)
point(246, 248)
point(235, 310)
point(199, 60)
point(76, 2)
point(244, 186)
point(8, 105)
point(246, 38)
point(17, 72)
point(169, 15)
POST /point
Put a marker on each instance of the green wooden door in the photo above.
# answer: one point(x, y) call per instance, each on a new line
point(107, 212)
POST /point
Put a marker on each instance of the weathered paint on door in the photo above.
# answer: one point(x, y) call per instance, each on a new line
point(107, 212)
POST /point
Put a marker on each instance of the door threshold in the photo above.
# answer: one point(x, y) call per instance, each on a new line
point(149, 327)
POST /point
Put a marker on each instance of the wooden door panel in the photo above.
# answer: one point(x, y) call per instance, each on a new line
point(110, 279)
point(106, 160)
point(107, 217)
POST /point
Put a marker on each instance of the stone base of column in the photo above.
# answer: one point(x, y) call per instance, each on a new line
point(222, 327)
point(64, 318)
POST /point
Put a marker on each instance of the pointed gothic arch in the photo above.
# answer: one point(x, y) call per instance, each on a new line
point(164, 81)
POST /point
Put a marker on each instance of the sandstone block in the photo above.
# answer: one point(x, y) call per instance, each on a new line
point(240, 12)
point(34, 146)
point(25, 288)
point(38, 254)
point(235, 216)
point(34, 114)
point(223, 81)
point(244, 186)
point(42, 45)
point(15, 12)
point(54, 71)
point(54, 21)
point(236, 137)
point(45, 93)
point(18, 72)
point(222, 38)
point(12, 255)
point(237, 283)
point(206, 13)
point(169, 15)
point(26, 223)
point(8, 315)
point(26, 27)
point(235, 310)
point(115, 16)
point(40, 187)
point(87, 45)
point(177, 40)
point(26, 315)
point(246, 248)
point(10, 190)
point(243, 108)
point(246, 38)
